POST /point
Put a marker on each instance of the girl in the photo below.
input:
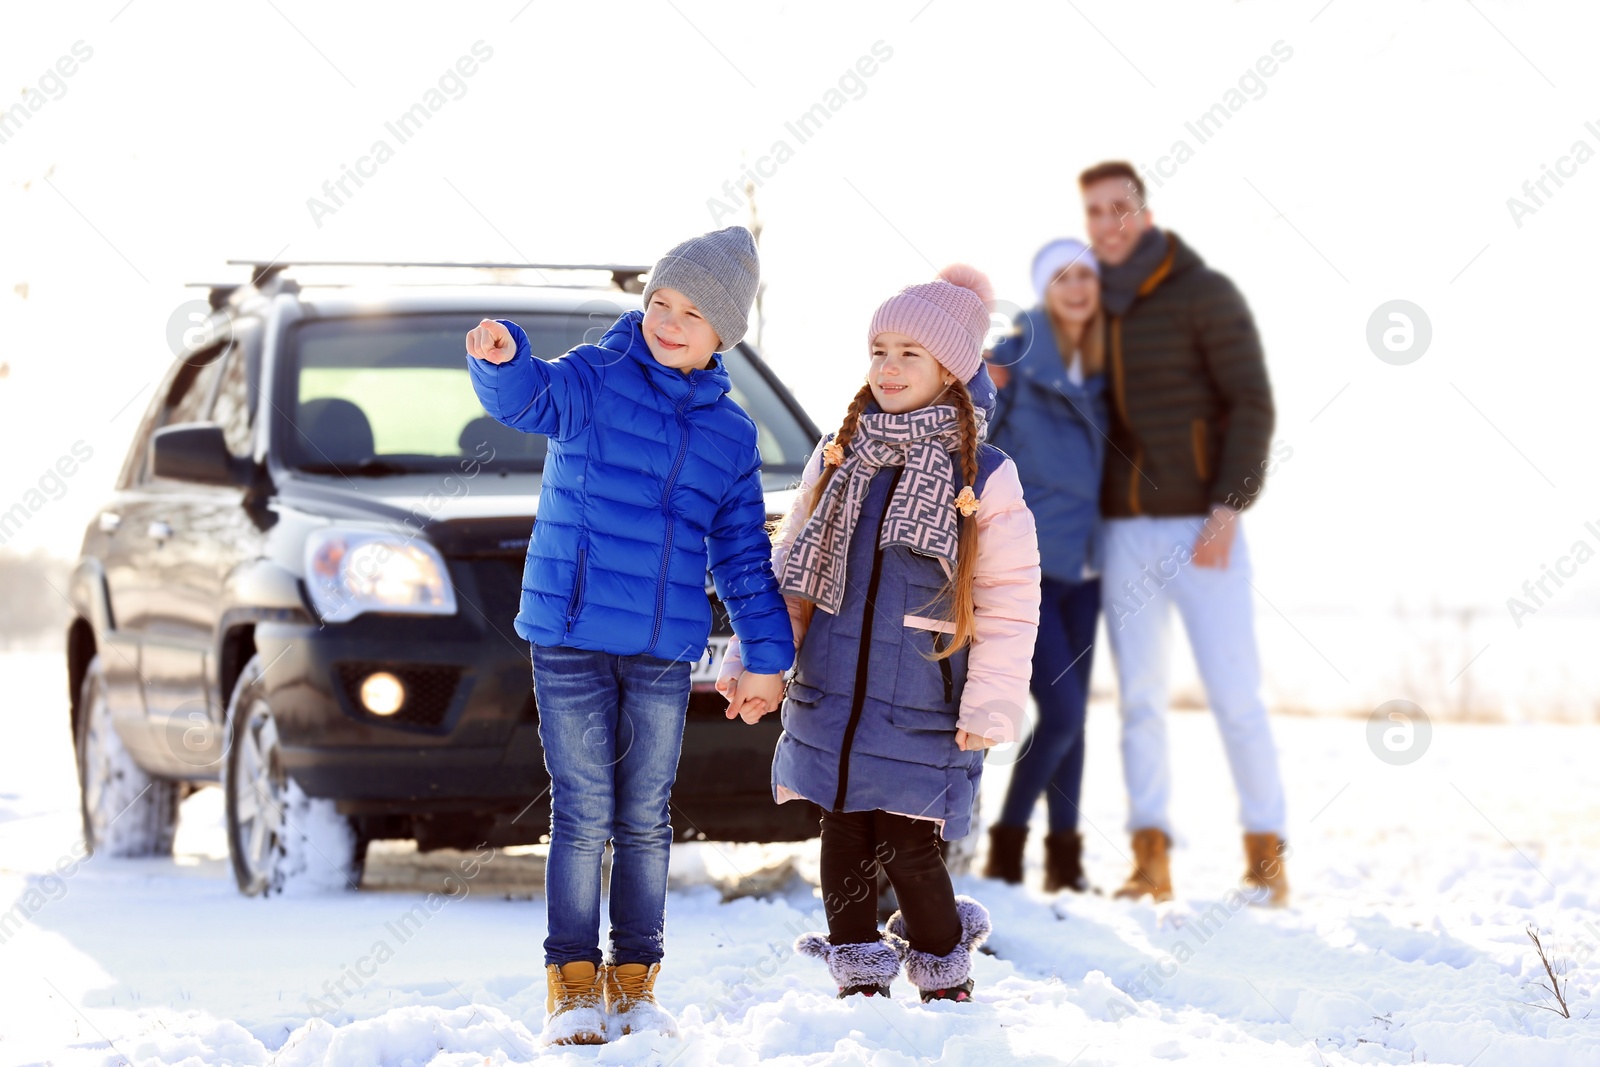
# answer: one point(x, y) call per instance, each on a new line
point(653, 473)
point(1052, 420)
point(912, 574)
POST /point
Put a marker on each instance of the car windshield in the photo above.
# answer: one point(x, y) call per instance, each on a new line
point(390, 394)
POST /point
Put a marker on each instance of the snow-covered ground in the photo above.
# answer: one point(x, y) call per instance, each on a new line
point(1406, 943)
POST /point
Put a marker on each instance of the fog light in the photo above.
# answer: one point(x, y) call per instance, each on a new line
point(382, 693)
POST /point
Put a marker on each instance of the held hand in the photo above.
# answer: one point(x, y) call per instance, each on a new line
point(490, 341)
point(744, 706)
point(729, 688)
point(759, 694)
point(1215, 540)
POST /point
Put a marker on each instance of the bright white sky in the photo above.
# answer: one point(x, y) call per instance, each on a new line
point(1376, 165)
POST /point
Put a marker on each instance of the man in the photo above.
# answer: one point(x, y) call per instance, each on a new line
point(1191, 427)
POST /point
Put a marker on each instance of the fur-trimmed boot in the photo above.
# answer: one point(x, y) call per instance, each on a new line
point(1063, 862)
point(1005, 853)
point(866, 967)
point(947, 977)
point(631, 1006)
point(574, 1014)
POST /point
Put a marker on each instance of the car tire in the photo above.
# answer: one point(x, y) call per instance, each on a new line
point(278, 836)
point(126, 810)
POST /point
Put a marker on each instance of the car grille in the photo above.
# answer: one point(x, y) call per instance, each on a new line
point(497, 596)
point(429, 690)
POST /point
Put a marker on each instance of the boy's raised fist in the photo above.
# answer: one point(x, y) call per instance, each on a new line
point(491, 341)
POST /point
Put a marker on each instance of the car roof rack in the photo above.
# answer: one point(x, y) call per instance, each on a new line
point(623, 275)
point(219, 292)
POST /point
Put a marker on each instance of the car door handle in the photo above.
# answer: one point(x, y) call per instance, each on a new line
point(109, 521)
point(159, 531)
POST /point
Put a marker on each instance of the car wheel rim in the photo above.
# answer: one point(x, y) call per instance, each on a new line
point(259, 794)
point(106, 786)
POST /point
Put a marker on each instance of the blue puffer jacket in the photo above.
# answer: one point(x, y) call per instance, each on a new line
point(1056, 432)
point(650, 473)
point(869, 721)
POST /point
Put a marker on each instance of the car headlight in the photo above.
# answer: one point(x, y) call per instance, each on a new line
point(349, 572)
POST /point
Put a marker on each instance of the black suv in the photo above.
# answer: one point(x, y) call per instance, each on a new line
point(304, 584)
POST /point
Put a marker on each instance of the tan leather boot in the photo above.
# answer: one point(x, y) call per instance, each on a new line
point(1151, 873)
point(1264, 867)
point(631, 1005)
point(574, 1012)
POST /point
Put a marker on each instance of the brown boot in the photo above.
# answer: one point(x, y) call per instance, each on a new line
point(1150, 873)
point(1264, 867)
point(1005, 853)
point(1063, 862)
point(574, 1014)
point(631, 1000)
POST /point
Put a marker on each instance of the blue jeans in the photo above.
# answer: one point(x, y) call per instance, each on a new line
point(1062, 659)
point(612, 730)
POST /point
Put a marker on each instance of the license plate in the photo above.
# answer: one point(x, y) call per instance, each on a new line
point(705, 672)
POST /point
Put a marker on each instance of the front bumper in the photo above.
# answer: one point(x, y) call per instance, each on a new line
point(461, 759)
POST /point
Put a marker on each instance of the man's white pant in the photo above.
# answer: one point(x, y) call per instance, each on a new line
point(1148, 569)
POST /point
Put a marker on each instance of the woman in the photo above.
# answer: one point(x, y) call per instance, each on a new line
point(1052, 421)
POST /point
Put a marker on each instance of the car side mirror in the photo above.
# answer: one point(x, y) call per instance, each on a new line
point(194, 452)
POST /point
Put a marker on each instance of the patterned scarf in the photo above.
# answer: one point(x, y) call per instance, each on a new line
point(920, 515)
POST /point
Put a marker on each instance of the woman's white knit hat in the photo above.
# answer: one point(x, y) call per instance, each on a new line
point(1056, 257)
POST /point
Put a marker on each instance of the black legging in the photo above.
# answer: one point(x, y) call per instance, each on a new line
point(908, 849)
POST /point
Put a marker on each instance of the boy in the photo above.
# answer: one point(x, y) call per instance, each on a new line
point(652, 472)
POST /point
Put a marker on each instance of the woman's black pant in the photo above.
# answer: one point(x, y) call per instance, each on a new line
point(852, 843)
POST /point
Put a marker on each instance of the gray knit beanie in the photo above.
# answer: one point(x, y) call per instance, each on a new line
point(719, 272)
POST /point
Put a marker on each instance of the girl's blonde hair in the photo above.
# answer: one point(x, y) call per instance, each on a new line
point(958, 587)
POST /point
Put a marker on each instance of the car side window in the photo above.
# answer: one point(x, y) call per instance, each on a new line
point(191, 391)
point(133, 466)
point(234, 407)
point(187, 398)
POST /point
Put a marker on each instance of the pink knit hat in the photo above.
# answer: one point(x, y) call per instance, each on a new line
point(949, 317)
